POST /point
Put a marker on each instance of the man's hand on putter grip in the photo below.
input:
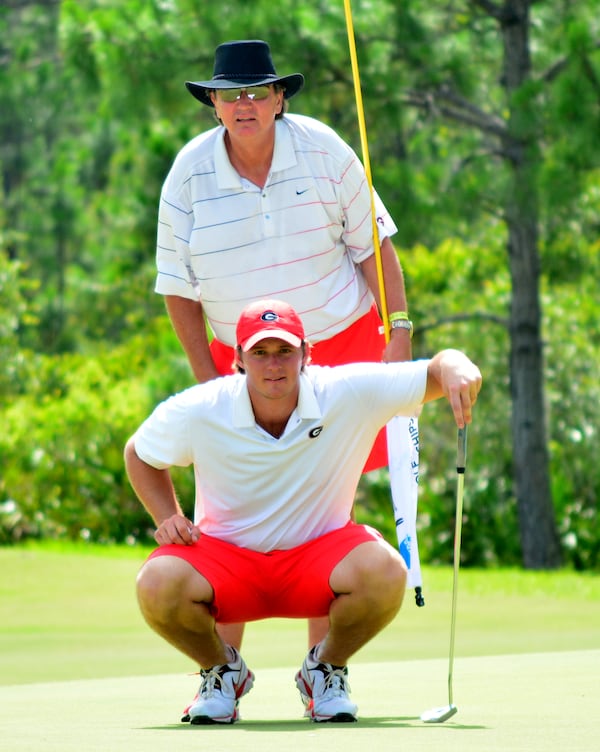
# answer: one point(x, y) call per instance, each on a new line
point(462, 402)
point(461, 382)
point(176, 529)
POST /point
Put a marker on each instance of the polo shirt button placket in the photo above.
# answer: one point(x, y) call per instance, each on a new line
point(267, 221)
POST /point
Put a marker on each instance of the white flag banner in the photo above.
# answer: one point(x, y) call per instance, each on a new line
point(403, 457)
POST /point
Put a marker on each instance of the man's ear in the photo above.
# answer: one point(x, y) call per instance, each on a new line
point(238, 358)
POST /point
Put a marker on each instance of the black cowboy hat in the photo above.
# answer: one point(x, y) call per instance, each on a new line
point(244, 63)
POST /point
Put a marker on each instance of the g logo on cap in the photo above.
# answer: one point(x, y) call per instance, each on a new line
point(269, 316)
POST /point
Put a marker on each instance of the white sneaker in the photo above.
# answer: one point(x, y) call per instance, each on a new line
point(220, 692)
point(327, 686)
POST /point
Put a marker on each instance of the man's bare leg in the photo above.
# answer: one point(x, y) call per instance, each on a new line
point(174, 599)
point(317, 630)
point(370, 582)
point(232, 634)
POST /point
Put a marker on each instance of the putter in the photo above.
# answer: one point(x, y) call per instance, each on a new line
point(439, 715)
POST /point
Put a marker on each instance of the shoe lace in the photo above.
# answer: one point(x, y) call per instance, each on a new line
point(336, 682)
point(211, 682)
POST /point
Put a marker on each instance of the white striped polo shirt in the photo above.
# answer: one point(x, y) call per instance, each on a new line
point(227, 242)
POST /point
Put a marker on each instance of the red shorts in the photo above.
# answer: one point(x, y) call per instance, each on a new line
point(361, 342)
point(249, 585)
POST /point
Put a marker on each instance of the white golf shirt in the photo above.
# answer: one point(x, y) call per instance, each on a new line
point(264, 493)
point(227, 242)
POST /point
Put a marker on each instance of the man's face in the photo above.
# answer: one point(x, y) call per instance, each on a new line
point(245, 116)
point(272, 368)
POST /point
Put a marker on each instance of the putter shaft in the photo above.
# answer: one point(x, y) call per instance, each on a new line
point(439, 715)
point(461, 461)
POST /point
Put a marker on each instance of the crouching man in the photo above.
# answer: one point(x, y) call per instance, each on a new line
point(278, 450)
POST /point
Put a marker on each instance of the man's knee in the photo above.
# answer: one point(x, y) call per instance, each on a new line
point(387, 572)
point(373, 568)
point(161, 585)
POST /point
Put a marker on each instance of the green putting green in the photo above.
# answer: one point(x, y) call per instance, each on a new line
point(79, 670)
point(535, 702)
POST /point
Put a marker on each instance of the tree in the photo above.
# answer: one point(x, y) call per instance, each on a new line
point(498, 133)
point(521, 151)
point(473, 139)
point(513, 131)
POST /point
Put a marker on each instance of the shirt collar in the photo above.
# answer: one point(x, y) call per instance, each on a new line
point(284, 157)
point(284, 154)
point(227, 176)
point(307, 408)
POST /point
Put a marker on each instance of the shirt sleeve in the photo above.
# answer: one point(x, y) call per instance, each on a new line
point(163, 439)
point(356, 205)
point(175, 223)
point(382, 390)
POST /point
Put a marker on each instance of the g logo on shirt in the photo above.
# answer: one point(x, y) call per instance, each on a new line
point(314, 432)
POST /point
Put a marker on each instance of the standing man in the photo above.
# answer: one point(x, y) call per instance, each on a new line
point(274, 205)
point(272, 533)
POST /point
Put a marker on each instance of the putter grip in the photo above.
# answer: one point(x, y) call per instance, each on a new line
point(461, 458)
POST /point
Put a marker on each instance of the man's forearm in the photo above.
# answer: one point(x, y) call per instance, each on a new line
point(399, 346)
point(395, 293)
point(187, 319)
point(153, 487)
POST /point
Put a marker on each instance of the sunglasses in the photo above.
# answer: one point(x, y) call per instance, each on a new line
point(254, 93)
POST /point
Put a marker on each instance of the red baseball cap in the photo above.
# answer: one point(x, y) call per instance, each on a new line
point(269, 318)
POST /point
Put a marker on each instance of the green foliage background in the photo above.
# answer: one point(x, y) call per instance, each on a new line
point(92, 112)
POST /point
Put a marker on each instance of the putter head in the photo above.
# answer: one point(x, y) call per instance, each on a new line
point(439, 715)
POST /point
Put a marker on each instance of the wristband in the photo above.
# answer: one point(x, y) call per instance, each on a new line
point(398, 316)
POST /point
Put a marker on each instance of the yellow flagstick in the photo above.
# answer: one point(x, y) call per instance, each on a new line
point(398, 434)
point(366, 163)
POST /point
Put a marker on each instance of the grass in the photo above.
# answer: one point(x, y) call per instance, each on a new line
point(81, 670)
point(69, 612)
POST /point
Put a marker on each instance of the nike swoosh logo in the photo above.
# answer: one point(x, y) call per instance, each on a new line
point(299, 193)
